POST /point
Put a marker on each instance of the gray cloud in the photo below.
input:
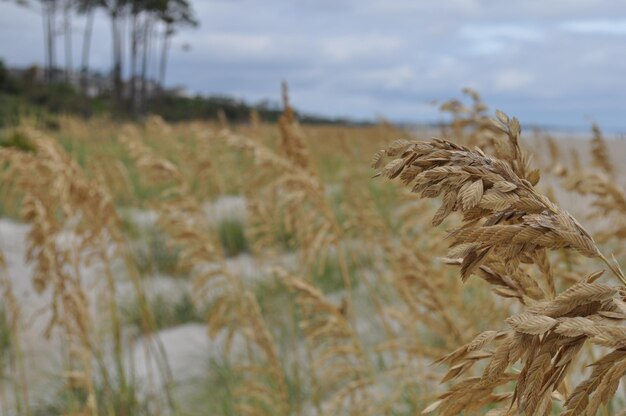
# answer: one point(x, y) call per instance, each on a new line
point(597, 26)
point(558, 62)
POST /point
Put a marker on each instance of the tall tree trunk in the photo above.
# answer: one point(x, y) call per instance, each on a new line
point(133, 60)
point(165, 43)
point(51, 44)
point(50, 17)
point(146, 40)
point(53, 38)
point(67, 31)
point(46, 39)
point(86, 46)
point(117, 62)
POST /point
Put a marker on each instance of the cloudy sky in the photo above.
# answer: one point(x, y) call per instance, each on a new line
point(559, 62)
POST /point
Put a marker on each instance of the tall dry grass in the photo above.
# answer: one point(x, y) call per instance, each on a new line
point(352, 303)
point(507, 223)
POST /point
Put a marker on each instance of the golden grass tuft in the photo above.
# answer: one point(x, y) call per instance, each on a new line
point(506, 223)
point(349, 301)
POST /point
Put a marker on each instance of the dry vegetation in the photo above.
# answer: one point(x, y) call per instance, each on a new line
point(460, 286)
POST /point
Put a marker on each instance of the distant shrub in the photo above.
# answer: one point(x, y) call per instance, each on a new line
point(233, 237)
point(17, 140)
point(5, 338)
point(169, 311)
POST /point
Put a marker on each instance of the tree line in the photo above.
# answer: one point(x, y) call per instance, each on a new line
point(140, 29)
